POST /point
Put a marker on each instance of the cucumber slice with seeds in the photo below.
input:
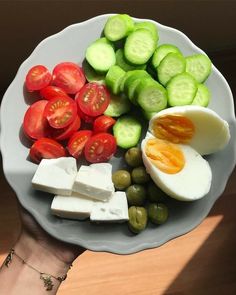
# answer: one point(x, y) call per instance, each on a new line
point(124, 64)
point(199, 66)
point(171, 65)
point(118, 26)
point(139, 46)
point(101, 55)
point(181, 90)
point(161, 52)
point(127, 131)
point(149, 26)
point(203, 96)
point(151, 96)
point(119, 105)
point(113, 78)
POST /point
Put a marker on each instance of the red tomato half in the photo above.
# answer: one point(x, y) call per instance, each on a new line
point(93, 99)
point(37, 78)
point(100, 148)
point(82, 115)
point(35, 125)
point(51, 91)
point(65, 133)
point(103, 123)
point(60, 111)
point(68, 76)
point(77, 142)
point(46, 148)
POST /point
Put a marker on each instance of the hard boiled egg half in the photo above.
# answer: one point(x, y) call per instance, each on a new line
point(173, 147)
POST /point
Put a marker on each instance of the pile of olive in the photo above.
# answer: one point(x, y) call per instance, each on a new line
point(144, 198)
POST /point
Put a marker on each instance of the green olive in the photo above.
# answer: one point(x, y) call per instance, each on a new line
point(121, 179)
point(133, 157)
point(137, 219)
point(139, 175)
point(154, 193)
point(157, 213)
point(136, 195)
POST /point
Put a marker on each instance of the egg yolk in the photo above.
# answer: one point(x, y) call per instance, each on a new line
point(174, 128)
point(165, 155)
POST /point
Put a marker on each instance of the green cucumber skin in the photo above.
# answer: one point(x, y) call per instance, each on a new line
point(127, 131)
point(149, 26)
point(113, 78)
point(133, 75)
point(175, 96)
point(124, 64)
point(118, 27)
point(161, 52)
point(145, 91)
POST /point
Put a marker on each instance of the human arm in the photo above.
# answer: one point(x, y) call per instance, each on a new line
point(42, 253)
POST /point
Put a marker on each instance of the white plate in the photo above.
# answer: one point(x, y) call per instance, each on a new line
point(70, 45)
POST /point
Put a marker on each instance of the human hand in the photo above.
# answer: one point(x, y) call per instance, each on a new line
point(63, 251)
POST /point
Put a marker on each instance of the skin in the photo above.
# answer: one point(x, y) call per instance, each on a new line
point(41, 251)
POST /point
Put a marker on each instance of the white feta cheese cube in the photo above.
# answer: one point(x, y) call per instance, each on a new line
point(115, 210)
point(94, 181)
point(80, 207)
point(73, 207)
point(55, 176)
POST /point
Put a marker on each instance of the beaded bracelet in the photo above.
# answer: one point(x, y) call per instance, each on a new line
point(46, 278)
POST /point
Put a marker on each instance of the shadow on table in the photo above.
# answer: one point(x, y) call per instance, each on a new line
point(212, 270)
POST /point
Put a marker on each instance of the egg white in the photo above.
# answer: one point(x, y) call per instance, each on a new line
point(211, 131)
point(191, 183)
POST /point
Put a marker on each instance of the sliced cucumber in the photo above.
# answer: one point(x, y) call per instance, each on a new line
point(122, 62)
point(199, 66)
point(171, 65)
point(119, 105)
point(113, 78)
point(118, 26)
point(161, 52)
point(132, 82)
point(124, 78)
point(127, 131)
point(203, 96)
point(151, 96)
point(149, 26)
point(91, 75)
point(139, 46)
point(148, 115)
point(181, 90)
point(101, 55)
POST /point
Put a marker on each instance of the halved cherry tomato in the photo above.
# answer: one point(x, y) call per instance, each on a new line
point(51, 91)
point(93, 99)
point(46, 148)
point(68, 76)
point(65, 133)
point(100, 148)
point(35, 125)
point(103, 123)
point(60, 111)
point(83, 116)
point(77, 142)
point(37, 78)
